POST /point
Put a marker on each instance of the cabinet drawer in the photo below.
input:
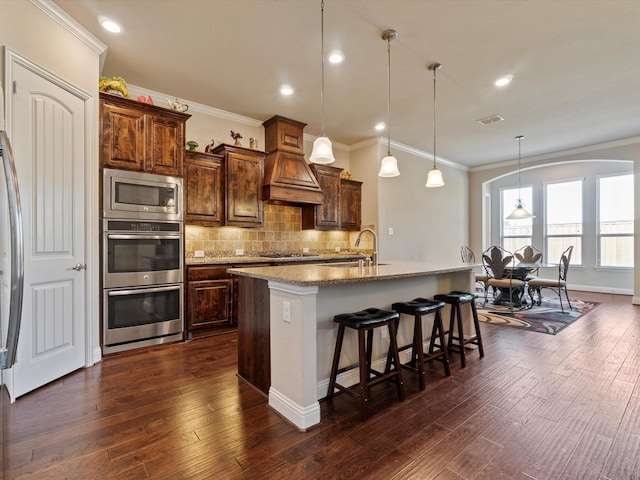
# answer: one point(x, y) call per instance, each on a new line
point(207, 272)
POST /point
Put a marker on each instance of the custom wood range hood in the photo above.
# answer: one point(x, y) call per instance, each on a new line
point(287, 177)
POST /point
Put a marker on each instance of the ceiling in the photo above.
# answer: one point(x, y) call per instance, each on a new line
point(575, 66)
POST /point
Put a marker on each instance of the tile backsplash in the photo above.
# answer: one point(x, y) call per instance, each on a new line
point(282, 232)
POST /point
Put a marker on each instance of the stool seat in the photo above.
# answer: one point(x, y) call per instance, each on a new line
point(369, 317)
point(456, 299)
point(364, 322)
point(418, 307)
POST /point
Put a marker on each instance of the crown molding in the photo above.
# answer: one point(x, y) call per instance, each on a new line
point(135, 91)
point(68, 22)
point(558, 155)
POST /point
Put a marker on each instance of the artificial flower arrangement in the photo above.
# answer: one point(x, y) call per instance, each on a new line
point(115, 85)
point(346, 174)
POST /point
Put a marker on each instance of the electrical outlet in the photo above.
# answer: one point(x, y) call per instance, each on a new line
point(390, 231)
point(198, 253)
point(384, 332)
point(239, 251)
point(286, 312)
point(337, 250)
point(305, 250)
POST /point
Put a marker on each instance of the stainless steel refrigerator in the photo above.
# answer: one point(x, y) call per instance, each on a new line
point(11, 274)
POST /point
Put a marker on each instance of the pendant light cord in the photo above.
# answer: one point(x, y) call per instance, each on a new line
point(519, 137)
point(434, 116)
point(389, 96)
point(322, 55)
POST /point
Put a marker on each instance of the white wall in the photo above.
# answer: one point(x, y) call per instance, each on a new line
point(428, 223)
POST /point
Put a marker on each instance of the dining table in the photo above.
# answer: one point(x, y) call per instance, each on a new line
point(520, 271)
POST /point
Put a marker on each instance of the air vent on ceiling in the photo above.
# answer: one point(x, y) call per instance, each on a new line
point(490, 119)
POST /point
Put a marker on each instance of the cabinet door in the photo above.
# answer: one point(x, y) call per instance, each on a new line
point(350, 204)
point(122, 140)
point(210, 304)
point(165, 145)
point(245, 173)
point(327, 215)
point(204, 189)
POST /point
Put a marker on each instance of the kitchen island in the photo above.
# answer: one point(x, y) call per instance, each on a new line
point(286, 333)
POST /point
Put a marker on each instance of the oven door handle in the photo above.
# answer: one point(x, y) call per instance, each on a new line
point(143, 237)
point(118, 293)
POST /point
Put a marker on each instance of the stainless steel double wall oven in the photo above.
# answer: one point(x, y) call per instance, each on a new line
point(142, 252)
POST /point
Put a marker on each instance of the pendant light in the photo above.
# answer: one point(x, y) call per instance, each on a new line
point(520, 212)
point(389, 164)
point(322, 151)
point(434, 178)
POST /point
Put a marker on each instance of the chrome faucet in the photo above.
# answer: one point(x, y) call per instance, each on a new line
point(375, 244)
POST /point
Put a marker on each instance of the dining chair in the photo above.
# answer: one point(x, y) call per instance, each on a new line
point(468, 256)
point(558, 285)
point(499, 264)
point(529, 254)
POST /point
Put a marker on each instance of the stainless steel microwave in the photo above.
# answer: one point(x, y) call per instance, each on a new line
point(141, 195)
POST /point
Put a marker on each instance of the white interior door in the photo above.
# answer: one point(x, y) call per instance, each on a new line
point(48, 133)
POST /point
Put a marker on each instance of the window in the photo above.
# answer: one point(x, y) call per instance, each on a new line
point(515, 233)
point(615, 221)
point(563, 220)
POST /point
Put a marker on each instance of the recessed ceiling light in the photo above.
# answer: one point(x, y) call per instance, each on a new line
point(109, 25)
point(336, 57)
point(286, 90)
point(380, 126)
point(502, 81)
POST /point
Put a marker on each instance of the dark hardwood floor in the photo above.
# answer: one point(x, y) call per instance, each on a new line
point(537, 406)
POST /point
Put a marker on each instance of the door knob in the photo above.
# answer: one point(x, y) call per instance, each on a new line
point(79, 267)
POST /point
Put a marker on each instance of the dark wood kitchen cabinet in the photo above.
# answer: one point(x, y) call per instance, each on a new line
point(244, 174)
point(327, 215)
point(141, 137)
point(350, 204)
point(204, 189)
point(210, 300)
point(342, 202)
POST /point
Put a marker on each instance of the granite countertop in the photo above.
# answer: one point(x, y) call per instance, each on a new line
point(236, 260)
point(332, 274)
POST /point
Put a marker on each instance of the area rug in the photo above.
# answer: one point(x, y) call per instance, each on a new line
point(546, 318)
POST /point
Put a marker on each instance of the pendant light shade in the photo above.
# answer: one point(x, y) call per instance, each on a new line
point(520, 212)
point(389, 164)
point(322, 151)
point(434, 178)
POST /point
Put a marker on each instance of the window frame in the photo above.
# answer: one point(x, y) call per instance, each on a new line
point(546, 236)
point(528, 238)
point(599, 236)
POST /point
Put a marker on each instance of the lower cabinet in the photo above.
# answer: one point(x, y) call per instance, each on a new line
point(210, 300)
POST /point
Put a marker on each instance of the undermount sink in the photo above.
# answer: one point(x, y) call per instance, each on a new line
point(346, 264)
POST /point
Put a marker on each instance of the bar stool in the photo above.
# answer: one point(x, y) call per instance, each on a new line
point(456, 299)
point(363, 322)
point(419, 307)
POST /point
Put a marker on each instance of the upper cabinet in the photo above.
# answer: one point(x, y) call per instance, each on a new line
point(350, 204)
point(244, 174)
point(342, 202)
point(325, 216)
point(204, 189)
point(142, 137)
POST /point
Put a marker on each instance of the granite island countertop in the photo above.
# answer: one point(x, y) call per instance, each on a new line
point(348, 272)
point(237, 260)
